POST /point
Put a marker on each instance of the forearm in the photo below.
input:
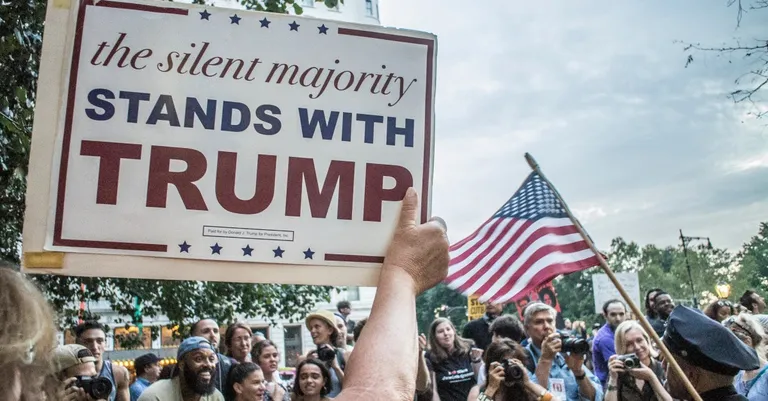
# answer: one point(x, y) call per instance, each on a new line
point(383, 364)
point(422, 374)
point(534, 388)
point(611, 392)
point(476, 368)
point(587, 388)
point(542, 372)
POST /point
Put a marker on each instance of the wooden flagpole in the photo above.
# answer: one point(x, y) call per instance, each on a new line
point(607, 269)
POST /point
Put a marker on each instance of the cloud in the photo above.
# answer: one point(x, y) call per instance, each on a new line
point(638, 145)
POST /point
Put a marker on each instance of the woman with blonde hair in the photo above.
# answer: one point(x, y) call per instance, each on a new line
point(453, 362)
point(28, 338)
point(630, 381)
point(752, 384)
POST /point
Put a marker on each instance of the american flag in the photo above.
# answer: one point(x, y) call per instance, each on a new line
point(529, 241)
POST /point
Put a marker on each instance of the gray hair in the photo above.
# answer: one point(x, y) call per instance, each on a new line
point(536, 307)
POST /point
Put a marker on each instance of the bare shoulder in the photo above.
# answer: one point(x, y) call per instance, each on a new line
point(121, 374)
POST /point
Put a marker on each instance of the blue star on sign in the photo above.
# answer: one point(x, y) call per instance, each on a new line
point(204, 15)
point(278, 252)
point(294, 26)
point(235, 19)
point(308, 253)
point(265, 23)
point(323, 29)
point(247, 250)
point(184, 247)
point(216, 249)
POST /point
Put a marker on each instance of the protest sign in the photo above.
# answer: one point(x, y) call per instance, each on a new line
point(604, 290)
point(195, 133)
point(475, 310)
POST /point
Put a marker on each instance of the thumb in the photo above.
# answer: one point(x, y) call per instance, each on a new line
point(409, 211)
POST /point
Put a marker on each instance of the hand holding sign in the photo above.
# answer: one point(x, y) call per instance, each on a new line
point(421, 250)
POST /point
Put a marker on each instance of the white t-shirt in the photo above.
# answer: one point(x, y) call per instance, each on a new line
point(170, 390)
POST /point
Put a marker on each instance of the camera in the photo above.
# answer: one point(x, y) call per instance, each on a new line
point(572, 344)
point(512, 372)
point(98, 388)
point(326, 354)
point(631, 361)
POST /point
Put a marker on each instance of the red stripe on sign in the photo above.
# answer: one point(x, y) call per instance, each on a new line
point(334, 257)
point(142, 7)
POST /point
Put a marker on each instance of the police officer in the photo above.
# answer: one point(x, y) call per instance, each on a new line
point(709, 354)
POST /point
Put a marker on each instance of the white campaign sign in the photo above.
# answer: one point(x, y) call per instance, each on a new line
point(216, 134)
point(604, 290)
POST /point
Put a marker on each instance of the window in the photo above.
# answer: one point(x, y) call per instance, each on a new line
point(130, 338)
point(169, 338)
point(353, 293)
point(293, 345)
point(369, 8)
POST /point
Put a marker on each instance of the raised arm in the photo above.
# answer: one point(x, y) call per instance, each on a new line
point(383, 366)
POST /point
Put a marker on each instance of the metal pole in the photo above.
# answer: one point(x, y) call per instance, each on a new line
point(688, 266)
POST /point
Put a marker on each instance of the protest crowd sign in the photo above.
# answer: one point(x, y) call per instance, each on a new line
point(172, 140)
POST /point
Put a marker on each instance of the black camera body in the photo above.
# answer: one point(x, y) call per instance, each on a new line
point(631, 361)
point(326, 354)
point(98, 388)
point(512, 372)
point(573, 344)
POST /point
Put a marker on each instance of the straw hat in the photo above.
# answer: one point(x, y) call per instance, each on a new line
point(325, 316)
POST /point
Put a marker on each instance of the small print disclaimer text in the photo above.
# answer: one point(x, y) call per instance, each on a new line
point(247, 233)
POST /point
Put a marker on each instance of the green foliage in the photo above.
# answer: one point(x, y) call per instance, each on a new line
point(433, 299)
point(753, 264)
point(21, 26)
point(657, 268)
point(181, 302)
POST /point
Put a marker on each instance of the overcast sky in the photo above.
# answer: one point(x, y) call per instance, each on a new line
point(638, 145)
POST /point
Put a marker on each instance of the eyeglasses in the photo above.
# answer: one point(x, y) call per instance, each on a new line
point(724, 303)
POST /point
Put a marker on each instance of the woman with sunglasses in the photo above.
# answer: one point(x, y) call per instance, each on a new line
point(752, 384)
point(719, 310)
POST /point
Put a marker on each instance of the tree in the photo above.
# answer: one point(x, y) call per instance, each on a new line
point(21, 28)
point(753, 264)
point(182, 302)
point(750, 86)
point(432, 299)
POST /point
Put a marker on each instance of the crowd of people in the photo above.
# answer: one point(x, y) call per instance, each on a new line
point(721, 354)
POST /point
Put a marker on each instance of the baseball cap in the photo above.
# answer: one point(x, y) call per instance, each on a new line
point(67, 356)
point(191, 344)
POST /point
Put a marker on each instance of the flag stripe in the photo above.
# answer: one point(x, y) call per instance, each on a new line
point(544, 276)
point(530, 240)
point(515, 264)
point(465, 263)
point(530, 231)
point(542, 258)
point(493, 230)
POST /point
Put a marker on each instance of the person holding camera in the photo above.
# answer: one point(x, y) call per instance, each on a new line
point(80, 381)
point(557, 359)
point(322, 326)
point(508, 378)
point(634, 375)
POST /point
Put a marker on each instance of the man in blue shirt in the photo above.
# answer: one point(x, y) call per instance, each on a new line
point(147, 372)
point(603, 347)
point(563, 374)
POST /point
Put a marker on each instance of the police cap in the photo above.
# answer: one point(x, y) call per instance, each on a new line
point(706, 344)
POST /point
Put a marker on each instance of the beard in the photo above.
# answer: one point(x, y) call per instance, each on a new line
point(196, 384)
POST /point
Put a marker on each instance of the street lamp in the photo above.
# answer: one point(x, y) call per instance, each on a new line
point(723, 290)
point(687, 240)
